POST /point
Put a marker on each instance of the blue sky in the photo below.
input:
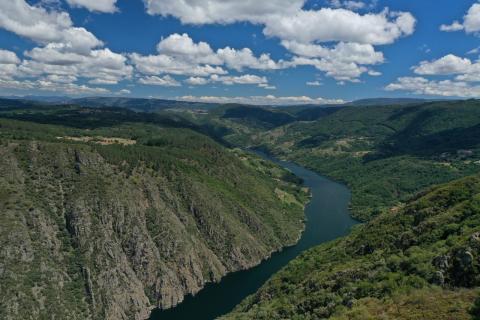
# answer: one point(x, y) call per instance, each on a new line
point(276, 52)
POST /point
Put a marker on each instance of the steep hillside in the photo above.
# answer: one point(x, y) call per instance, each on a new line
point(384, 153)
point(105, 216)
point(420, 261)
point(259, 117)
point(242, 125)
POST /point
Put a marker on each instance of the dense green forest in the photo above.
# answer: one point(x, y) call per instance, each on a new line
point(417, 257)
point(419, 261)
point(107, 213)
point(166, 202)
point(385, 154)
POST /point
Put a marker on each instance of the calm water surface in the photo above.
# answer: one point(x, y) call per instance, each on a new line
point(327, 218)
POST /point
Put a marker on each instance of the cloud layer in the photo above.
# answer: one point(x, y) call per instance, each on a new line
point(342, 42)
point(65, 53)
point(262, 100)
point(180, 55)
point(222, 11)
point(465, 74)
point(302, 31)
point(43, 27)
point(287, 20)
point(471, 21)
point(106, 6)
point(444, 88)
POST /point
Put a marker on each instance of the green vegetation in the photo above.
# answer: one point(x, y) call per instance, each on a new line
point(107, 213)
point(422, 304)
point(385, 154)
point(420, 261)
point(418, 255)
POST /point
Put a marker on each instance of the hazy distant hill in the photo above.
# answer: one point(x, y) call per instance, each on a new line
point(153, 105)
point(388, 101)
point(135, 104)
point(141, 104)
point(16, 103)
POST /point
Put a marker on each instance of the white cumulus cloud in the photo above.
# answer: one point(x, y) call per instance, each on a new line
point(343, 61)
point(52, 86)
point(244, 58)
point(246, 79)
point(328, 24)
point(8, 57)
point(471, 21)
point(179, 54)
point(100, 66)
point(262, 100)
point(106, 6)
point(183, 47)
point(462, 75)
point(444, 88)
point(166, 81)
point(301, 31)
point(348, 4)
point(164, 64)
point(42, 26)
point(288, 20)
point(455, 26)
point(447, 65)
point(314, 83)
point(222, 11)
point(197, 81)
point(243, 79)
point(66, 54)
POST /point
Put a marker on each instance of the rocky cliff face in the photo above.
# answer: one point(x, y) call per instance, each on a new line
point(87, 234)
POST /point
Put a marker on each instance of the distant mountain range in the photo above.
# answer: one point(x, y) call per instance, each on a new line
point(155, 105)
point(389, 101)
point(45, 99)
point(135, 104)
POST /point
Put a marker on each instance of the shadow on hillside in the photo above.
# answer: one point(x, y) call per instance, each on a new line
point(313, 114)
point(448, 141)
point(91, 118)
point(263, 118)
point(405, 111)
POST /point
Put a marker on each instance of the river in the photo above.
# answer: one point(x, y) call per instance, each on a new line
point(327, 218)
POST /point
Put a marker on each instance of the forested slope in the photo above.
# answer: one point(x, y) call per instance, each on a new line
point(105, 215)
point(420, 261)
point(385, 154)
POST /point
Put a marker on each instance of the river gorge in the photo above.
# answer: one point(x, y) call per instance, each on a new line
point(327, 218)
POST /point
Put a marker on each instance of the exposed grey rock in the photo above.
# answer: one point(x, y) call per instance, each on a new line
point(475, 238)
point(98, 242)
point(441, 262)
point(465, 257)
point(438, 278)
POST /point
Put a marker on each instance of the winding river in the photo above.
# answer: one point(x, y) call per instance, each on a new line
point(327, 218)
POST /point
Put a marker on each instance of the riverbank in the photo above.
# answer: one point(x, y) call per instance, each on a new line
point(326, 218)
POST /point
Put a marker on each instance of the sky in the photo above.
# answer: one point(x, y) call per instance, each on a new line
point(247, 51)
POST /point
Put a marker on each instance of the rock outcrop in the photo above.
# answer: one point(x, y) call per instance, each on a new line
point(86, 235)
